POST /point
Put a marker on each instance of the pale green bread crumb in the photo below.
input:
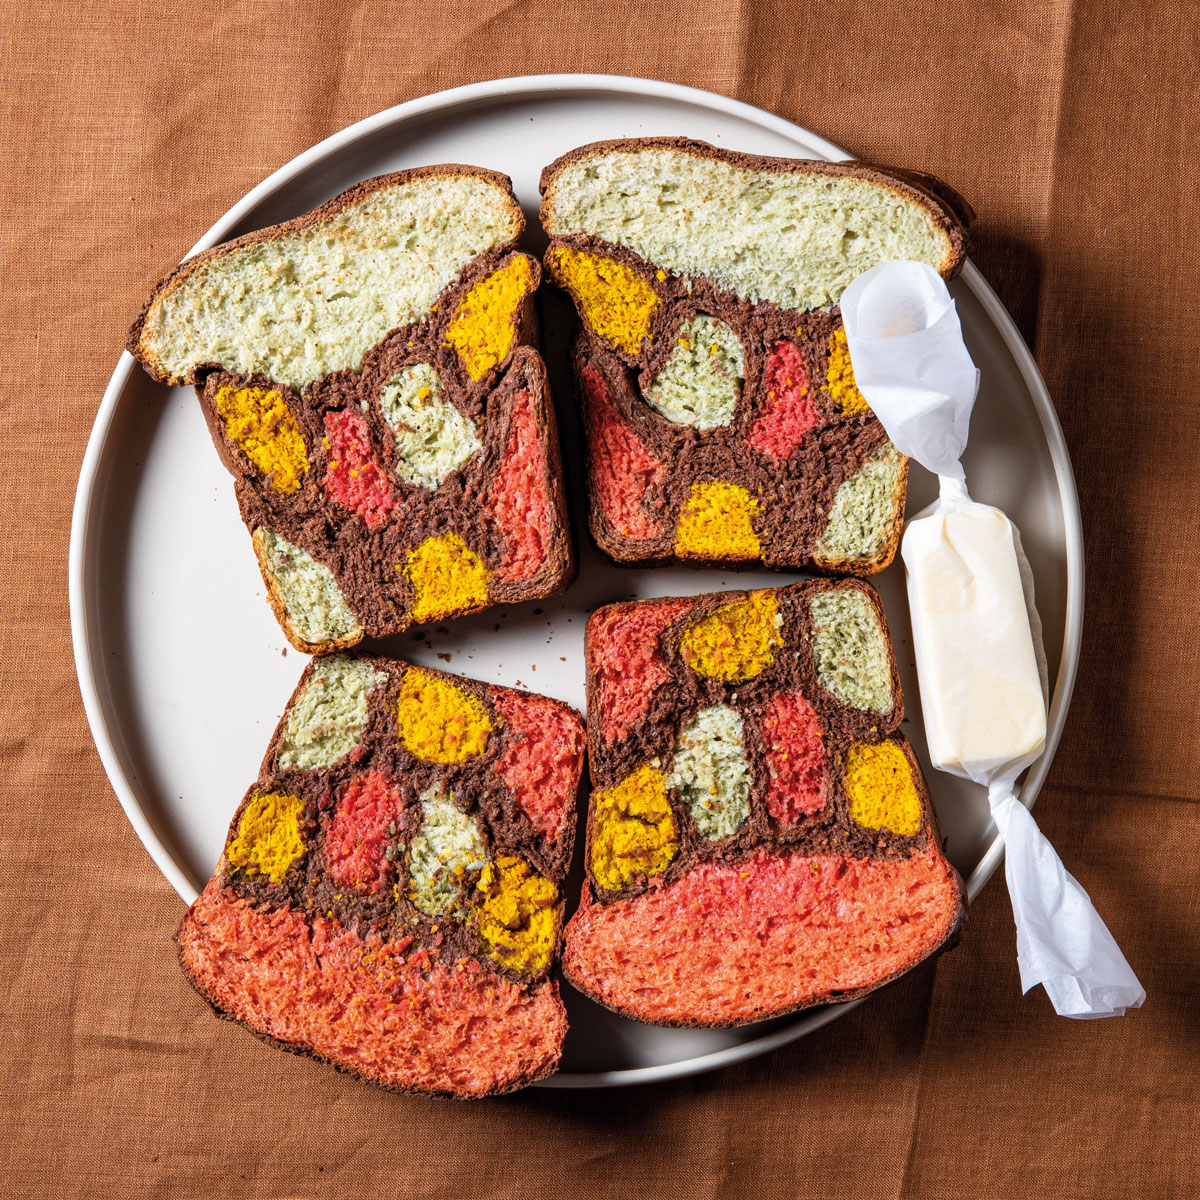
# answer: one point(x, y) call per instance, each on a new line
point(299, 306)
point(797, 240)
point(432, 437)
point(446, 847)
point(850, 650)
point(327, 719)
point(700, 382)
point(314, 603)
point(710, 773)
point(863, 511)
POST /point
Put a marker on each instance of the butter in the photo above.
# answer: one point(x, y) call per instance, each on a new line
point(981, 693)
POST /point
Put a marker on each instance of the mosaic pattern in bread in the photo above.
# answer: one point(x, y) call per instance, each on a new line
point(368, 376)
point(389, 897)
point(760, 838)
point(723, 424)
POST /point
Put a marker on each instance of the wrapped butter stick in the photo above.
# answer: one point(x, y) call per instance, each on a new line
point(976, 634)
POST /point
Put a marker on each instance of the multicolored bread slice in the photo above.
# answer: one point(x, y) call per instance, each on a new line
point(723, 424)
point(389, 897)
point(368, 377)
point(760, 838)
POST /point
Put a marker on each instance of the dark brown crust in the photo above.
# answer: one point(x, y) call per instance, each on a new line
point(330, 208)
point(938, 188)
point(798, 491)
point(912, 185)
point(673, 704)
point(930, 831)
point(517, 1084)
point(754, 324)
point(364, 560)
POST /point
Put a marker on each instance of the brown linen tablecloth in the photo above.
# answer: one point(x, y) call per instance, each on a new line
point(1071, 125)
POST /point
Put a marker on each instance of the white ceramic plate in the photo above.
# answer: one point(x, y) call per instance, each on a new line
point(184, 672)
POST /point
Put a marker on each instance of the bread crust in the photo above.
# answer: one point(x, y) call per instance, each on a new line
point(951, 217)
point(515, 1085)
point(608, 763)
point(504, 833)
point(931, 831)
point(352, 195)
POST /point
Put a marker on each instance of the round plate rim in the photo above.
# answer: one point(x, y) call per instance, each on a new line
point(542, 86)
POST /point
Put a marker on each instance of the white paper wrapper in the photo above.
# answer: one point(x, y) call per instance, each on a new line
point(976, 631)
point(910, 361)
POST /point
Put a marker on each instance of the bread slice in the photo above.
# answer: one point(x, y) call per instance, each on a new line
point(389, 897)
point(723, 423)
point(760, 838)
point(369, 377)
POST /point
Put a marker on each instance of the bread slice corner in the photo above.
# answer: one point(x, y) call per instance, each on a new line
point(306, 600)
point(297, 300)
point(684, 195)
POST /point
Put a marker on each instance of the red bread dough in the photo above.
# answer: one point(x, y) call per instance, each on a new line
point(352, 476)
point(521, 500)
point(789, 410)
point(404, 1022)
point(359, 831)
point(622, 467)
point(623, 644)
point(795, 745)
point(729, 943)
point(538, 765)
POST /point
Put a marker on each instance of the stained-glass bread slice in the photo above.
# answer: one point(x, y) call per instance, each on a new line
point(760, 838)
point(389, 896)
point(723, 424)
point(368, 377)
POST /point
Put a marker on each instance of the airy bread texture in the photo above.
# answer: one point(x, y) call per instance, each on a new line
point(867, 512)
point(711, 775)
point(793, 233)
point(732, 943)
point(760, 839)
point(432, 437)
point(702, 379)
point(850, 649)
point(723, 422)
point(446, 848)
point(305, 595)
point(368, 376)
point(301, 300)
point(326, 718)
point(389, 899)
